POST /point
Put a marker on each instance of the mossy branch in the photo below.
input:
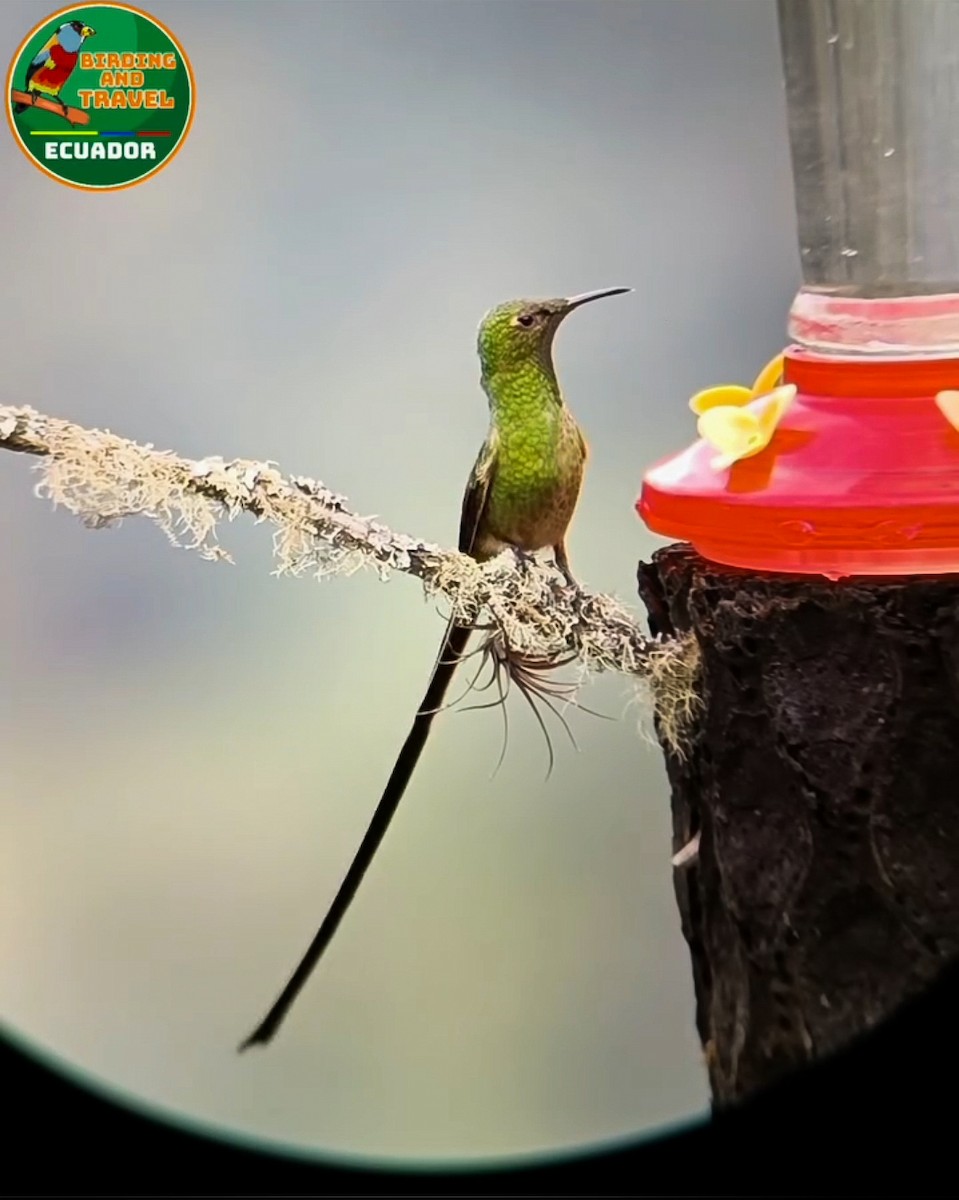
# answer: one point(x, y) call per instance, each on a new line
point(102, 478)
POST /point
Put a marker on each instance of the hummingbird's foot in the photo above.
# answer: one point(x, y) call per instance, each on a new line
point(570, 578)
point(524, 560)
point(562, 562)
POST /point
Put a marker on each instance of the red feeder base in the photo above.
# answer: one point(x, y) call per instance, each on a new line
point(860, 478)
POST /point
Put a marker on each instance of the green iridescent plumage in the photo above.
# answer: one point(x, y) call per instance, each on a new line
point(521, 495)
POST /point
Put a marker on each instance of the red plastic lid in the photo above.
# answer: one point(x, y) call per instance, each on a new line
point(861, 477)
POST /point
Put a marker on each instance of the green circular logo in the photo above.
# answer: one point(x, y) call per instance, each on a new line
point(100, 96)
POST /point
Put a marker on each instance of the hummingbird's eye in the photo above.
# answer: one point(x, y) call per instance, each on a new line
point(526, 319)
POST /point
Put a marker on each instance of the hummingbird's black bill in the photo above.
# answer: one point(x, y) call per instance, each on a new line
point(585, 297)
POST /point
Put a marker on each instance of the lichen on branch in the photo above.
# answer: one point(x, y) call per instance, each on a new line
point(102, 478)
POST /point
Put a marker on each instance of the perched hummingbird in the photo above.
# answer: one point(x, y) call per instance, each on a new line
point(520, 496)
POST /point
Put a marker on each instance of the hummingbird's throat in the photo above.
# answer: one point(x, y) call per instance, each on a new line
point(522, 390)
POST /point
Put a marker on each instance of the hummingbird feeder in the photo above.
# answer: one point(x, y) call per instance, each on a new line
point(832, 464)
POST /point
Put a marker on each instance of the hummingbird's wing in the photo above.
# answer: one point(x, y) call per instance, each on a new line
point(476, 497)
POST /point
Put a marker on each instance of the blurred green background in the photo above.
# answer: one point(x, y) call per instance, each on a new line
point(191, 752)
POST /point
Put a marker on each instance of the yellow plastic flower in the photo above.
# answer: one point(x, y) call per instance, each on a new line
point(948, 405)
point(732, 429)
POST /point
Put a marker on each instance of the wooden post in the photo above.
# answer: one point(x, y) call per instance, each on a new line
point(823, 782)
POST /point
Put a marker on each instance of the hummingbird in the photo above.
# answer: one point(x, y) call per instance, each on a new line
point(520, 496)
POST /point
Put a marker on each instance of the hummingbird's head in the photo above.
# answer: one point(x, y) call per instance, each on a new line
point(522, 330)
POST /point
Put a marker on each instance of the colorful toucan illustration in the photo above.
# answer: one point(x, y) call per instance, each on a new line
point(52, 67)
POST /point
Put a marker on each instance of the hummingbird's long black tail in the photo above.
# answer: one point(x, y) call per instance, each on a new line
point(451, 650)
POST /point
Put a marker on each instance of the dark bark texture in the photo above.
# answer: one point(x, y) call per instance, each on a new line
point(823, 780)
